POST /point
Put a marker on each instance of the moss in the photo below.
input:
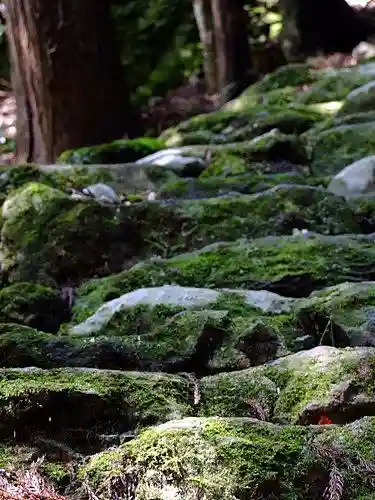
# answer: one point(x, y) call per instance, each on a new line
point(341, 311)
point(198, 338)
point(234, 394)
point(287, 265)
point(120, 151)
point(276, 211)
point(259, 177)
point(113, 401)
point(248, 156)
point(333, 87)
point(32, 305)
point(337, 121)
point(222, 459)
point(306, 382)
point(239, 127)
point(17, 176)
point(46, 234)
point(22, 346)
point(336, 148)
point(291, 75)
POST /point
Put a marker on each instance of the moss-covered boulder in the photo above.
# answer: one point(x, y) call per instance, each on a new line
point(290, 266)
point(232, 459)
point(194, 329)
point(22, 346)
point(62, 403)
point(336, 121)
point(299, 388)
point(48, 237)
point(360, 99)
point(236, 127)
point(33, 305)
point(275, 211)
point(345, 312)
point(335, 148)
point(334, 86)
point(120, 151)
point(259, 178)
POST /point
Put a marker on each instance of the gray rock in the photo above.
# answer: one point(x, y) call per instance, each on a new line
point(172, 159)
point(355, 179)
point(101, 192)
point(173, 295)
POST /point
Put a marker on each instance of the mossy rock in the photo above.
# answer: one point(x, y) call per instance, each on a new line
point(337, 121)
point(298, 388)
point(291, 75)
point(290, 266)
point(249, 183)
point(231, 459)
point(33, 305)
point(48, 237)
point(275, 211)
point(345, 313)
point(335, 148)
point(360, 99)
point(238, 158)
point(51, 402)
point(333, 87)
point(14, 177)
point(46, 234)
point(120, 151)
point(22, 346)
point(237, 126)
point(193, 329)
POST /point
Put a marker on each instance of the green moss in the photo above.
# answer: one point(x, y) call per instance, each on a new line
point(248, 156)
point(234, 394)
point(223, 459)
point(306, 382)
point(341, 311)
point(275, 211)
point(120, 151)
point(292, 75)
point(113, 401)
point(16, 176)
point(259, 177)
point(333, 87)
point(267, 263)
point(336, 148)
point(45, 236)
point(32, 305)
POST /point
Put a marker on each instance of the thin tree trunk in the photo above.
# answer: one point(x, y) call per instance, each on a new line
point(203, 18)
point(66, 76)
point(234, 64)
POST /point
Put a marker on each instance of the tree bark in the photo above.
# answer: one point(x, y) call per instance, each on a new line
point(67, 77)
point(233, 56)
point(203, 18)
point(321, 26)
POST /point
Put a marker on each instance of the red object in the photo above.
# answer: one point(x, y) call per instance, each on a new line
point(324, 420)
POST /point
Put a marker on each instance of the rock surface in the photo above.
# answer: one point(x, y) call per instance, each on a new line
point(194, 316)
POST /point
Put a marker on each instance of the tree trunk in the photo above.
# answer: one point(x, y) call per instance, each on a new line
point(233, 57)
point(67, 77)
point(321, 26)
point(203, 18)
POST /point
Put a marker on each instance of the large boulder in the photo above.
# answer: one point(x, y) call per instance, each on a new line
point(355, 179)
point(232, 458)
